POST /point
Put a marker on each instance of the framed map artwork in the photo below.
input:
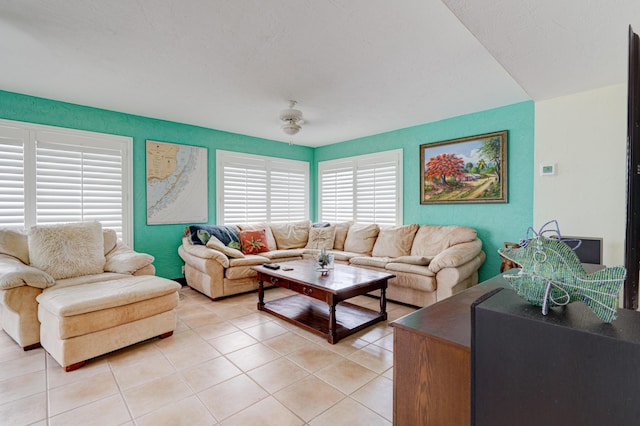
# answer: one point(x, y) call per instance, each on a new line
point(177, 190)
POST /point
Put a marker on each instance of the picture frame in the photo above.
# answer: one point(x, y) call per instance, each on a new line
point(465, 170)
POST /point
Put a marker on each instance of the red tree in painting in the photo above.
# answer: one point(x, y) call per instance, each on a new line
point(443, 166)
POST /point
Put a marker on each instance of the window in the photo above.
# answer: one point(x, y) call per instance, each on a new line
point(365, 189)
point(254, 188)
point(53, 175)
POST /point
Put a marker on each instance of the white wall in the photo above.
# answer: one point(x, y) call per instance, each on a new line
point(585, 135)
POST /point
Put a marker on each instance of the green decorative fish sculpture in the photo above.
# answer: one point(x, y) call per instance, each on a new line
point(552, 275)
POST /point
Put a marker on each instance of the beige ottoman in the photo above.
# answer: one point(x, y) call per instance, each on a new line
point(84, 321)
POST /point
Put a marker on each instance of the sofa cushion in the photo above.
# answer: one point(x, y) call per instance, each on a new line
point(341, 234)
point(271, 241)
point(216, 244)
point(413, 269)
point(361, 238)
point(321, 237)
point(431, 240)
point(253, 242)
point(377, 262)
point(75, 300)
point(14, 243)
point(291, 235)
point(124, 260)
point(344, 255)
point(67, 327)
point(248, 260)
point(394, 241)
point(276, 255)
point(414, 260)
point(14, 273)
point(67, 250)
point(90, 279)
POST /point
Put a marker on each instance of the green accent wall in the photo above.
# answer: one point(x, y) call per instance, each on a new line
point(161, 241)
point(495, 223)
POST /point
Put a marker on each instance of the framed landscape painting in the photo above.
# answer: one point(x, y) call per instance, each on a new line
point(464, 170)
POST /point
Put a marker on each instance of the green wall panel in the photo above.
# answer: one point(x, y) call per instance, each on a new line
point(161, 241)
point(495, 223)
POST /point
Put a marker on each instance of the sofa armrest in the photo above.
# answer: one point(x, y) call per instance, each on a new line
point(456, 255)
point(449, 279)
point(124, 260)
point(204, 252)
point(14, 273)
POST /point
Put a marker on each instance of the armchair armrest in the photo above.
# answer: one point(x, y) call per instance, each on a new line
point(14, 273)
point(205, 252)
point(124, 260)
point(456, 255)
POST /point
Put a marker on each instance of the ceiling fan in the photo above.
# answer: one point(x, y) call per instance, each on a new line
point(292, 119)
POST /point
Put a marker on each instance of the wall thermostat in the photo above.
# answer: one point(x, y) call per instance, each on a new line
point(548, 169)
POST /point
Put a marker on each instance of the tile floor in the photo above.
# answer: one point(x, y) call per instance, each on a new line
point(226, 364)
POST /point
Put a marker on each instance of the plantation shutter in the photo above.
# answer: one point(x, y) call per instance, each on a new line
point(52, 175)
point(288, 192)
point(12, 187)
point(336, 192)
point(244, 190)
point(377, 191)
point(366, 189)
point(78, 183)
point(254, 188)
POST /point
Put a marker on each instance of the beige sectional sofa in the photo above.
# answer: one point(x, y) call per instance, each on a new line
point(80, 293)
point(430, 262)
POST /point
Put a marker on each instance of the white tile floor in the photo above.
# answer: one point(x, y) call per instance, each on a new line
point(226, 364)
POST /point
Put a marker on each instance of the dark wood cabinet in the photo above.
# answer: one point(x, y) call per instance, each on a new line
point(431, 361)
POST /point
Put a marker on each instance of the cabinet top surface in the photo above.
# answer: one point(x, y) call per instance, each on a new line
point(449, 319)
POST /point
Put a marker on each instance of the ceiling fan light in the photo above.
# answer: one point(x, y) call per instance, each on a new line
point(290, 128)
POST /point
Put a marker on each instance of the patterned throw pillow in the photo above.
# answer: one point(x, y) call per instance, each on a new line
point(321, 238)
point(254, 241)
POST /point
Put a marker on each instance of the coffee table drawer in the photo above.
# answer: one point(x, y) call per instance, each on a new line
point(307, 290)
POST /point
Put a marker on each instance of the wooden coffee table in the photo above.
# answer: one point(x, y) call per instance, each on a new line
point(320, 306)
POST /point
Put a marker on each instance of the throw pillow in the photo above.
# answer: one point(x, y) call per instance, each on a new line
point(200, 234)
point(67, 250)
point(361, 238)
point(394, 241)
point(253, 242)
point(271, 241)
point(216, 244)
point(321, 238)
point(291, 235)
point(341, 234)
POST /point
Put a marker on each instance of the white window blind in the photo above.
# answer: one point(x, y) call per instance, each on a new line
point(336, 192)
point(365, 189)
point(254, 188)
point(12, 177)
point(65, 176)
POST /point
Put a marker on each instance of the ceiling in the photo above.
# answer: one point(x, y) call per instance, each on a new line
point(356, 68)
